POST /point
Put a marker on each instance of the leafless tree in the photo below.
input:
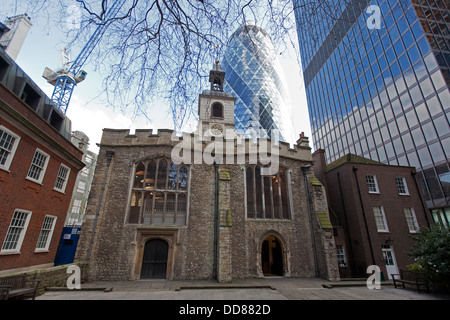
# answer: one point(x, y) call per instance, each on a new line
point(164, 49)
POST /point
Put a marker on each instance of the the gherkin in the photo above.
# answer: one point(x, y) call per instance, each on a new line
point(255, 77)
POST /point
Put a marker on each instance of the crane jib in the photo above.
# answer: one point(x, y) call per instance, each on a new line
point(65, 84)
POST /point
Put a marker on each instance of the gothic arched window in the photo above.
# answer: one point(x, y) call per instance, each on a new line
point(139, 176)
point(160, 198)
point(267, 196)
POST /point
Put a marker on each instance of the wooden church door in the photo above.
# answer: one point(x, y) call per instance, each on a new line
point(154, 261)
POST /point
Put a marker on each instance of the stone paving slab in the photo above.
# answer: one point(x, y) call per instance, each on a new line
point(158, 294)
point(245, 289)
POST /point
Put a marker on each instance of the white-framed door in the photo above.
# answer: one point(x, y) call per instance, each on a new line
point(389, 260)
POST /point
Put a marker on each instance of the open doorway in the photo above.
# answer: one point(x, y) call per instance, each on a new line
point(272, 257)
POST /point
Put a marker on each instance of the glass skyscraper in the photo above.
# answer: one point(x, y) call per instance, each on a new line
point(254, 76)
point(377, 84)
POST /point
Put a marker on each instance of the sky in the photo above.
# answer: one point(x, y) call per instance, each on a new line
point(90, 115)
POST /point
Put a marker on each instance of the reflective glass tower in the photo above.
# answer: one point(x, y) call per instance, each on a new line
point(377, 83)
point(254, 76)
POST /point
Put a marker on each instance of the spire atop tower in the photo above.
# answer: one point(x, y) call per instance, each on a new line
point(217, 77)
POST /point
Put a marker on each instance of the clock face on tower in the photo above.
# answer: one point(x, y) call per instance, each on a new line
point(216, 129)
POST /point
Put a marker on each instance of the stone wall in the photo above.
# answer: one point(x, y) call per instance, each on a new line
point(54, 276)
point(117, 246)
point(323, 230)
point(249, 234)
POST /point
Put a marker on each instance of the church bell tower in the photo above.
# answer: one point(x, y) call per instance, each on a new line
point(216, 107)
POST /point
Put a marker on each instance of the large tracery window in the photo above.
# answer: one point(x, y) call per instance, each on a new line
point(267, 196)
point(159, 195)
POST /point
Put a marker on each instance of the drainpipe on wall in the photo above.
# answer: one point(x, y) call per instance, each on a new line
point(109, 155)
point(364, 215)
point(311, 229)
point(216, 219)
point(349, 237)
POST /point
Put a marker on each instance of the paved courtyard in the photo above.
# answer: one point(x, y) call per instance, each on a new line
point(248, 289)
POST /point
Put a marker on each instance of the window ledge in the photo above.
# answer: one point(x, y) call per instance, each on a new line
point(60, 191)
point(33, 180)
point(155, 226)
point(41, 250)
point(5, 253)
point(267, 220)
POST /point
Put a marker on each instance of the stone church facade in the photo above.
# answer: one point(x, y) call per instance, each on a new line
point(206, 205)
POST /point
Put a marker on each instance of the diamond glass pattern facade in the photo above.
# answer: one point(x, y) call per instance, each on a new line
point(382, 93)
point(254, 76)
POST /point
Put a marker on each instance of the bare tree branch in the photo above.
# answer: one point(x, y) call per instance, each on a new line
point(157, 50)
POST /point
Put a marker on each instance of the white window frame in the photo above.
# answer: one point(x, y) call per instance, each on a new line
point(43, 168)
point(46, 231)
point(381, 215)
point(400, 182)
point(64, 179)
point(11, 152)
point(81, 187)
point(374, 183)
point(411, 220)
point(84, 172)
point(76, 206)
point(341, 256)
point(19, 229)
point(88, 159)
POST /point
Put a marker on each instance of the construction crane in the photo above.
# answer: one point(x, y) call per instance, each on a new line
point(66, 78)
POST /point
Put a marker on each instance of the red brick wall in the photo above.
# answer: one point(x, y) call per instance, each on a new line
point(392, 203)
point(16, 192)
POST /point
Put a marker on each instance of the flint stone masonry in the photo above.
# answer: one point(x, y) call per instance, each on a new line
point(116, 252)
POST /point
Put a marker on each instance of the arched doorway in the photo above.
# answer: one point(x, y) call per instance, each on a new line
point(154, 261)
point(272, 257)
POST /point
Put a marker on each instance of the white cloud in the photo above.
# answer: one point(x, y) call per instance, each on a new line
point(92, 118)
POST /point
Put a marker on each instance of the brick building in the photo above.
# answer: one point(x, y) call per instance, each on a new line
point(205, 205)
point(38, 167)
point(375, 209)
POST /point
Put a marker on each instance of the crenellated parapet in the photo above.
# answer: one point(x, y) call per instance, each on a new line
point(232, 145)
